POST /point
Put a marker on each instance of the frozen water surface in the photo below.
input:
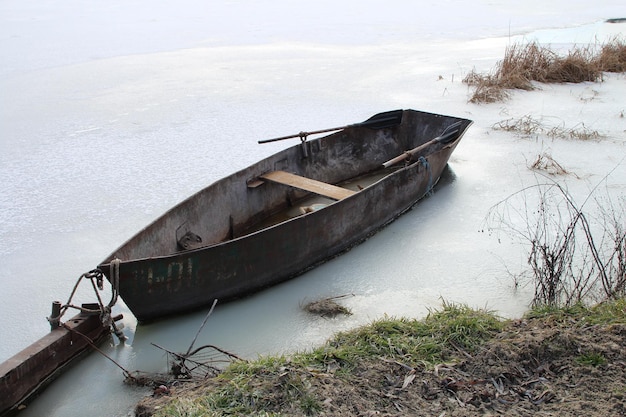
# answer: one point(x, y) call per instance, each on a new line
point(113, 112)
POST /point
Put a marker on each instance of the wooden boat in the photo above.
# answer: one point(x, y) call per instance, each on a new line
point(283, 215)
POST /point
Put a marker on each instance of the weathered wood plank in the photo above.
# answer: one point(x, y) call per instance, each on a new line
point(28, 372)
point(308, 184)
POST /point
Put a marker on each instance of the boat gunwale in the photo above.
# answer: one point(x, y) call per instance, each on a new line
point(198, 249)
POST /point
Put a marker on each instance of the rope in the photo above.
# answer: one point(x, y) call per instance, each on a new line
point(114, 273)
point(424, 162)
point(91, 275)
point(95, 276)
point(115, 281)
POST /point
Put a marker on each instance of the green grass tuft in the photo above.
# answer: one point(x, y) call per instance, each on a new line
point(593, 359)
point(613, 312)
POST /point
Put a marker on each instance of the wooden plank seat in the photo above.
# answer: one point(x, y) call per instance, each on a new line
point(308, 184)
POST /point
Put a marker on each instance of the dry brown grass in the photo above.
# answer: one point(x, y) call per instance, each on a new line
point(612, 56)
point(328, 307)
point(545, 162)
point(579, 132)
point(527, 126)
point(524, 64)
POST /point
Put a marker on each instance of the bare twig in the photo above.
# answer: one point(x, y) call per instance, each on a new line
point(565, 268)
point(201, 327)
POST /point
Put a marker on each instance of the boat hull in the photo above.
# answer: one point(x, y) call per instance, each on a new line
point(247, 260)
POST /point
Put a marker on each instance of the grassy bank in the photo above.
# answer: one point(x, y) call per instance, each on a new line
point(456, 361)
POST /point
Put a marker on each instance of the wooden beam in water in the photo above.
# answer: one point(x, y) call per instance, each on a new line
point(28, 372)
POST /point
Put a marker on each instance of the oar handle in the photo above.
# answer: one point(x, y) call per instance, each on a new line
point(303, 134)
point(446, 137)
point(378, 121)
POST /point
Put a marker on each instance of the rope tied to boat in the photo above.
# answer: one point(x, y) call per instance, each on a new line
point(114, 272)
point(303, 138)
point(96, 278)
point(429, 187)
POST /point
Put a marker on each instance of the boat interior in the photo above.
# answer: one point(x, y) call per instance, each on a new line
point(319, 195)
point(294, 182)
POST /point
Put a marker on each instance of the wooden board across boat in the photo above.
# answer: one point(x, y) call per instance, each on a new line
point(284, 214)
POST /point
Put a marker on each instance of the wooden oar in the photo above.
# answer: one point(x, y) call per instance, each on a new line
point(378, 121)
point(448, 135)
